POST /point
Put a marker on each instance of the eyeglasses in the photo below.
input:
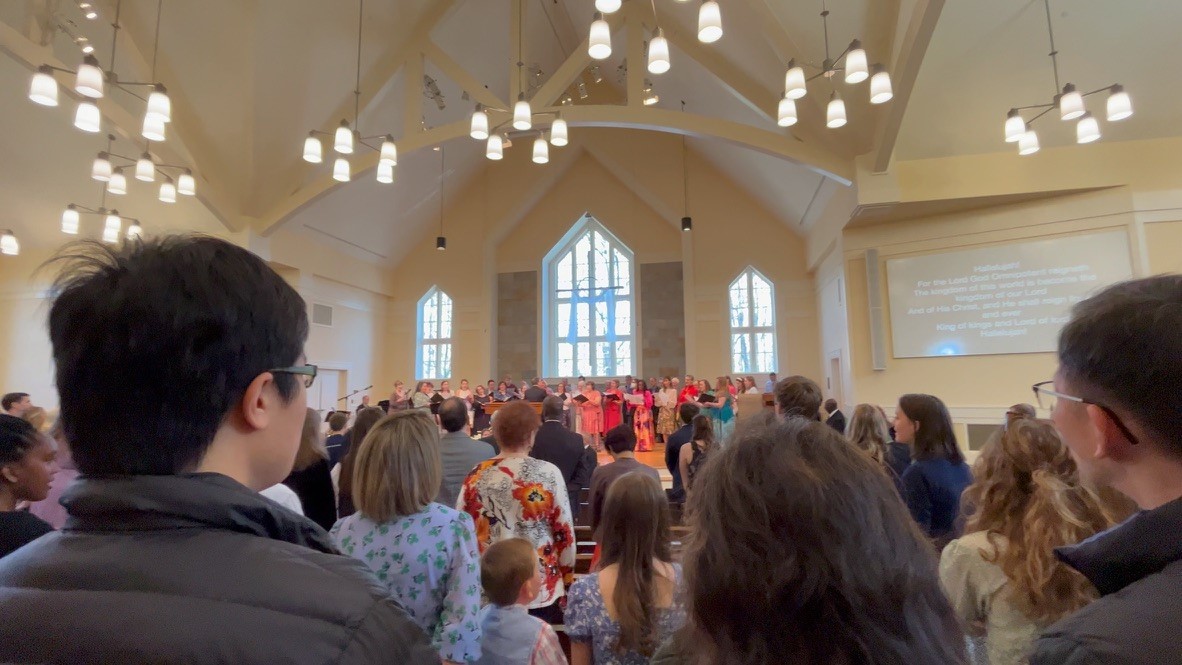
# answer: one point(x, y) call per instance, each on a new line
point(1046, 398)
point(307, 371)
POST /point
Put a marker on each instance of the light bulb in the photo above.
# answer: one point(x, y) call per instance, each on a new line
point(786, 115)
point(117, 185)
point(496, 147)
point(43, 87)
point(388, 154)
point(1087, 129)
point(880, 86)
point(313, 153)
point(343, 141)
point(340, 170)
point(153, 129)
point(88, 118)
point(185, 185)
point(541, 151)
point(159, 104)
point(599, 44)
point(558, 135)
point(101, 169)
point(385, 173)
point(709, 22)
point(658, 53)
point(856, 69)
point(135, 231)
point(522, 114)
point(1015, 126)
point(794, 81)
point(89, 82)
point(1120, 106)
point(607, 6)
point(479, 127)
point(835, 115)
point(144, 168)
point(1028, 143)
point(168, 191)
point(1071, 104)
point(70, 220)
point(112, 228)
point(9, 244)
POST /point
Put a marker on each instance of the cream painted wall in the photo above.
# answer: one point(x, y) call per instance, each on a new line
point(26, 359)
point(1163, 241)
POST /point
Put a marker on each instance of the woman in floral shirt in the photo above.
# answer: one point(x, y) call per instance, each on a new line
point(423, 552)
point(515, 495)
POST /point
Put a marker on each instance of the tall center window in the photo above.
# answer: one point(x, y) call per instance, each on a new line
point(753, 323)
point(433, 351)
point(590, 288)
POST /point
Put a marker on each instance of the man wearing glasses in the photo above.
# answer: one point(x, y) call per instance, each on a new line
point(1117, 401)
point(179, 364)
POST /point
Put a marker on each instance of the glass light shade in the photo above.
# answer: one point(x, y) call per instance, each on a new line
point(880, 86)
point(43, 87)
point(9, 244)
point(343, 140)
point(159, 104)
point(522, 114)
point(835, 114)
point(112, 228)
point(153, 128)
point(599, 44)
point(496, 147)
point(1015, 126)
point(607, 6)
point(479, 126)
point(658, 53)
point(117, 185)
point(1087, 129)
point(709, 22)
point(856, 67)
point(101, 169)
point(1071, 104)
point(558, 135)
point(794, 82)
point(1028, 143)
point(87, 117)
point(168, 192)
point(385, 173)
point(135, 231)
point(388, 154)
point(70, 219)
point(1120, 106)
point(312, 150)
point(144, 168)
point(340, 170)
point(541, 151)
point(786, 115)
point(89, 82)
point(185, 185)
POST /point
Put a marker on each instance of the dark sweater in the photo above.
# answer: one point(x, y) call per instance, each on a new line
point(314, 487)
point(932, 489)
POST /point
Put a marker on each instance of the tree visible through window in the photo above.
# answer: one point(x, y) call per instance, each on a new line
point(753, 324)
point(590, 313)
point(433, 351)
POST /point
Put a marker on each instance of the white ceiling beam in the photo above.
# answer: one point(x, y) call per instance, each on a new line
point(412, 96)
point(571, 68)
point(462, 77)
point(912, 46)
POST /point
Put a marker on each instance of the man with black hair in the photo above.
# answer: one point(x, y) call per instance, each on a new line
point(16, 404)
point(1115, 401)
point(685, 413)
point(836, 418)
point(536, 392)
point(557, 444)
point(620, 442)
point(798, 397)
point(458, 451)
point(180, 366)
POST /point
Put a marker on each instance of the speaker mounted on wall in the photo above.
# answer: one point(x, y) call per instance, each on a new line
point(874, 298)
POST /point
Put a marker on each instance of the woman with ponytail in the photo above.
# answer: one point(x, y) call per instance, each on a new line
point(1003, 577)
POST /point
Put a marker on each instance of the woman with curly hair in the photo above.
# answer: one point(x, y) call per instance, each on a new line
point(1003, 577)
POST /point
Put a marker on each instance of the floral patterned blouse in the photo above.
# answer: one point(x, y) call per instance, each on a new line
point(521, 497)
point(587, 620)
point(430, 563)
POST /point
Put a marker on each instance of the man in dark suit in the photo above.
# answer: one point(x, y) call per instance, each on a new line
point(836, 418)
point(686, 412)
point(535, 392)
point(563, 448)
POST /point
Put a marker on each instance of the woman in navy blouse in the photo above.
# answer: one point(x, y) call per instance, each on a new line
point(932, 485)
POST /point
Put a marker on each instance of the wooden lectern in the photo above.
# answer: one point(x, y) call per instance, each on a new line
point(493, 407)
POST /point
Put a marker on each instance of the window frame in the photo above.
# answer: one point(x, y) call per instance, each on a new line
point(751, 330)
point(440, 343)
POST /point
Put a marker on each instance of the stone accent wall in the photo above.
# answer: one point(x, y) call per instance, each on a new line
point(517, 325)
point(662, 320)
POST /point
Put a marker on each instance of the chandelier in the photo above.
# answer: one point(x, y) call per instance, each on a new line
point(110, 168)
point(1070, 103)
point(599, 42)
point(112, 226)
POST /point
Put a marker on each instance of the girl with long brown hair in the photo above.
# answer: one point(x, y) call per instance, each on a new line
point(691, 457)
point(311, 477)
point(621, 613)
point(1026, 501)
point(365, 419)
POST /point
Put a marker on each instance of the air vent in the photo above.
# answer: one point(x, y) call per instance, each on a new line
point(321, 314)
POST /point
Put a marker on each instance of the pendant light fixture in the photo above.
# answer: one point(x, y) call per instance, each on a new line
point(340, 170)
point(835, 113)
point(385, 173)
point(599, 41)
point(607, 6)
point(709, 22)
point(117, 185)
point(70, 220)
point(786, 113)
point(111, 168)
point(522, 114)
point(186, 185)
point(88, 82)
point(599, 44)
point(87, 117)
point(135, 231)
point(145, 170)
point(496, 147)
point(880, 85)
point(343, 142)
point(101, 169)
point(159, 104)
point(478, 129)
point(658, 53)
point(153, 129)
point(1070, 103)
point(168, 191)
point(558, 136)
point(112, 221)
point(313, 152)
point(687, 222)
point(9, 245)
point(43, 87)
point(112, 227)
point(388, 153)
point(541, 150)
point(441, 240)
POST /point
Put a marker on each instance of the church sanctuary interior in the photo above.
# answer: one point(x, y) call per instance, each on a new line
point(901, 201)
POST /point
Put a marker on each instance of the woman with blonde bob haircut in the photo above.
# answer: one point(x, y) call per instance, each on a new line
point(1026, 501)
point(423, 552)
point(869, 432)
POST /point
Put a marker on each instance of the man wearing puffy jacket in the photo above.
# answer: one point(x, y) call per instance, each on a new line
point(181, 373)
